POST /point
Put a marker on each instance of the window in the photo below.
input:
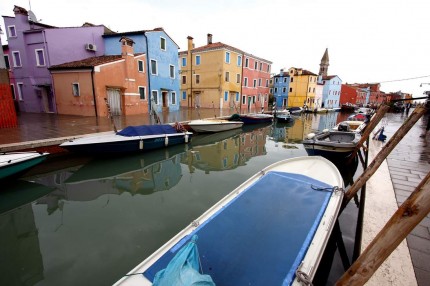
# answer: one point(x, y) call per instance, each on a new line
point(172, 71)
point(142, 92)
point(276, 90)
point(237, 96)
point(255, 83)
point(245, 81)
point(225, 95)
point(291, 79)
point(267, 83)
point(276, 80)
point(12, 89)
point(238, 78)
point(246, 62)
point(259, 82)
point(162, 43)
point(239, 61)
point(6, 60)
point(285, 79)
point(40, 58)
point(184, 62)
point(255, 65)
point(291, 89)
point(284, 90)
point(16, 59)
point(197, 78)
point(227, 57)
point(155, 96)
point(75, 89)
point(227, 76)
point(184, 79)
point(268, 68)
point(253, 99)
point(197, 60)
point(12, 31)
point(184, 95)
point(243, 99)
point(173, 98)
point(271, 90)
point(261, 66)
point(20, 86)
point(140, 66)
point(154, 69)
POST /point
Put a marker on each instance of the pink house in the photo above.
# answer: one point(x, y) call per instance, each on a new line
point(255, 83)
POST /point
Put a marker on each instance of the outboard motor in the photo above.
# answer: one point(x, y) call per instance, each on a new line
point(343, 126)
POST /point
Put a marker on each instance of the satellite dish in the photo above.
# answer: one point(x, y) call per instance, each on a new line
point(32, 16)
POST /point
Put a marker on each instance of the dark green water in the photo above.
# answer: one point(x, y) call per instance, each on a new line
point(88, 221)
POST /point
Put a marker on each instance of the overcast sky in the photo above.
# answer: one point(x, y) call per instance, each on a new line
point(368, 40)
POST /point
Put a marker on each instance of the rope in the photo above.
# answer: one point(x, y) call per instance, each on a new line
point(303, 278)
point(334, 189)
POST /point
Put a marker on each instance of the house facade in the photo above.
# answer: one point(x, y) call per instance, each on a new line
point(302, 88)
point(348, 95)
point(255, 83)
point(281, 87)
point(34, 47)
point(161, 66)
point(81, 87)
point(211, 75)
point(331, 91)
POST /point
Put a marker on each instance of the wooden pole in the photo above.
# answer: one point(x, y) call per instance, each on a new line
point(110, 115)
point(377, 161)
point(403, 221)
point(369, 128)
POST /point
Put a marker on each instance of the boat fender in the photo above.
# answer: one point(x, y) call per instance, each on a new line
point(186, 138)
point(325, 130)
point(166, 141)
point(140, 144)
point(311, 135)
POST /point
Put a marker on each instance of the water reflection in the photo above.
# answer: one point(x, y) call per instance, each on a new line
point(119, 210)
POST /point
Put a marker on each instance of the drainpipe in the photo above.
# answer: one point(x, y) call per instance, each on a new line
point(94, 92)
point(241, 85)
point(148, 77)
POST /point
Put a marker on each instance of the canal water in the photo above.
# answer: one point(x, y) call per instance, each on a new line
point(80, 220)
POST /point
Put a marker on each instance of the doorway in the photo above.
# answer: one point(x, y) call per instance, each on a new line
point(114, 100)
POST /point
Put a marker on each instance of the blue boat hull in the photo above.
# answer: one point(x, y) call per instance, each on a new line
point(255, 120)
point(129, 146)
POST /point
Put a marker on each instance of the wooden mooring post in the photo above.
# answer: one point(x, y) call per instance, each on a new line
point(403, 221)
point(109, 111)
point(382, 155)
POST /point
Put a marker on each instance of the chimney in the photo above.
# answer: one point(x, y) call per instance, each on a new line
point(126, 47)
point(209, 39)
point(190, 43)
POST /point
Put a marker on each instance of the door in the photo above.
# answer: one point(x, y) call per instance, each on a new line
point(114, 100)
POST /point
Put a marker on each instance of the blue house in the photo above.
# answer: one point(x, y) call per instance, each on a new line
point(331, 91)
point(162, 65)
point(281, 86)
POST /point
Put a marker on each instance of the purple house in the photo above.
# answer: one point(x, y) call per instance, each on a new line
point(34, 47)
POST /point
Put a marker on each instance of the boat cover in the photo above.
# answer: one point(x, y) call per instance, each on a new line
point(143, 130)
point(183, 270)
point(262, 235)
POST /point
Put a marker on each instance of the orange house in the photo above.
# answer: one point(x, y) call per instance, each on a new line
point(81, 87)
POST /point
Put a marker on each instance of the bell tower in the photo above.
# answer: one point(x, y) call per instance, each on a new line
point(324, 64)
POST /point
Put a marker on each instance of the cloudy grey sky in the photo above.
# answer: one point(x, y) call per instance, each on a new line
point(368, 40)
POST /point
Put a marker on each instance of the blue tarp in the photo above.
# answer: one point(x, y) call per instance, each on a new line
point(143, 130)
point(261, 236)
point(183, 269)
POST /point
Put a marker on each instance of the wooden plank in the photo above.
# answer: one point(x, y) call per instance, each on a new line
point(382, 155)
point(403, 221)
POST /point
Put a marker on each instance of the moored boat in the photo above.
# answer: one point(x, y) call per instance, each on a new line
point(130, 139)
point(351, 125)
point(213, 125)
point(255, 229)
point(283, 116)
point(15, 163)
point(255, 118)
point(333, 145)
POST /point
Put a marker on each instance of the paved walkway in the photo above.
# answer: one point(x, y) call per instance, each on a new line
point(407, 164)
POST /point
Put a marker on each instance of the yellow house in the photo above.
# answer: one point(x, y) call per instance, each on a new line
point(303, 85)
point(210, 75)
